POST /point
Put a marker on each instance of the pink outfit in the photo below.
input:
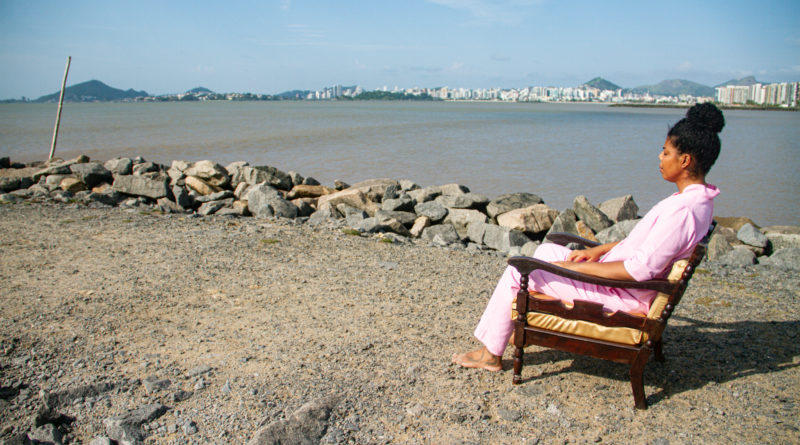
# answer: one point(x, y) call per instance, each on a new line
point(667, 233)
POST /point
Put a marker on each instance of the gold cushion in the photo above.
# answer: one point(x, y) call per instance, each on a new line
point(587, 329)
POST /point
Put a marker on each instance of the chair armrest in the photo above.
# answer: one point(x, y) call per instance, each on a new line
point(563, 239)
point(526, 265)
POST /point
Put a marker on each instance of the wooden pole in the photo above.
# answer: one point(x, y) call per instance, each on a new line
point(58, 116)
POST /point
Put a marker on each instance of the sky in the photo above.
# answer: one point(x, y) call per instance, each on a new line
point(271, 46)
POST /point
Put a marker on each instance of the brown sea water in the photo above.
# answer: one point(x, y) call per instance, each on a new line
point(557, 151)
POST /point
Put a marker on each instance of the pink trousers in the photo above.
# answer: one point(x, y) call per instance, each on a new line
point(496, 326)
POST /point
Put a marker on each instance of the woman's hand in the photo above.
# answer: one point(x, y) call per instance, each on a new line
point(591, 254)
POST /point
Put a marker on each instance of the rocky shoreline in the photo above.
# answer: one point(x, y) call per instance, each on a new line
point(139, 306)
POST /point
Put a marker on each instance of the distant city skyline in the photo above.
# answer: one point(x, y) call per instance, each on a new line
point(274, 46)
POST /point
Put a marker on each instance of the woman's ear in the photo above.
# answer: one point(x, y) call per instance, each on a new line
point(686, 160)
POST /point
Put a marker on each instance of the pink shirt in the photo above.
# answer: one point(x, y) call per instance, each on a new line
point(667, 233)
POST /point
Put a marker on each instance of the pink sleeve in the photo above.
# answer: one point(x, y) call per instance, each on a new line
point(671, 234)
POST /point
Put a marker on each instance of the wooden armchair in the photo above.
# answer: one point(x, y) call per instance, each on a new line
point(585, 328)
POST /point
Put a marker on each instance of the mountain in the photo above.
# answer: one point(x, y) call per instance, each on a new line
point(743, 82)
point(602, 84)
point(92, 91)
point(200, 90)
point(676, 87)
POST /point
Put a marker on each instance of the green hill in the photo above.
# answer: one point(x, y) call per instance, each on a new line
point(675, 87)
point(602, 84)
point(92, 91)
point(744, 81)
point(200, 90)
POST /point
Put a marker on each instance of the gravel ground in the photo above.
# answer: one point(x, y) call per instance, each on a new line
point(233, 324)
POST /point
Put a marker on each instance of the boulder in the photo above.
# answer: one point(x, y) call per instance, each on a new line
point(391, 192)
point(405, 218)
point(72, 185)
point(620, 209)
point(325, 213)
point(529, 248)
point(307, 425)
point(201, 186)
point(9, 184)
point(143, 168)
point(261, 174)
point(565, 222)
point(733, 222)
point(617, 232)
point(433, 210)
point(425, 194)
point(784, 230)
point(91, 173)
point(407, 185)
point(453, 189)
point(584, 231)
point(308, 191)
point(382, 223)
point(127, 428)
point(210, 172)
point(183, 198)
point(224, 194)
point(303, 206)
point(441, 234)
point(61, 168)
point(308, 180)
point(718, 246)
point(240, 190)
point(352, 197)
point(420, 224)
point(593, 217)
point(264, 201)
point(401, 203)
point(463, 201)
point(787, 258)
point(297, 178)
point(374, 189)
point(783, 240)
point(509, 202)
point(738, 257)
point(119, 166)
point(535, 219)
point(751, 236)
point(503, 239)
point(460, 219)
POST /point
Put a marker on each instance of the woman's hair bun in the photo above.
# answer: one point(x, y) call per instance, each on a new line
point(706, 116)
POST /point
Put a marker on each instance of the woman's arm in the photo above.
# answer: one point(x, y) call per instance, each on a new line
point(591, 254)
point(614, 270)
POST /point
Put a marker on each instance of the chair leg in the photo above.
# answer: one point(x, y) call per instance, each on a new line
point(658, 351)
point(517, 379)
point(637, 377)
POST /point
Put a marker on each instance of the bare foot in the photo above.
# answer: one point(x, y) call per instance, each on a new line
point(479, 358)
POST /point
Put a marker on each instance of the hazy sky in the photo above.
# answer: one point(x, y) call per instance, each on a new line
point(275, 45)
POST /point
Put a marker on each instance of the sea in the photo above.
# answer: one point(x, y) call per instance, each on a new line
point(557, 151)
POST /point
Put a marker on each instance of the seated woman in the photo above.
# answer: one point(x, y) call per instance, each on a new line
point(667, 233)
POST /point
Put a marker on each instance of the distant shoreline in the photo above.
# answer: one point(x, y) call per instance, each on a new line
point(722, 107)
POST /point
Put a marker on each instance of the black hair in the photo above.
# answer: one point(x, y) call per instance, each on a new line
point(697, 135)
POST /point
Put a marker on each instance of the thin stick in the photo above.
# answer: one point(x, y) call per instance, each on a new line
point(58, 116)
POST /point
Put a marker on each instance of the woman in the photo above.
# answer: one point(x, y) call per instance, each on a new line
point(668, 232)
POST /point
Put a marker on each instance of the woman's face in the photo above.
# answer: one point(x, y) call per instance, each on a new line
point(673, 163)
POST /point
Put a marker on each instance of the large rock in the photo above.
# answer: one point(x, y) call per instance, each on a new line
point(127, 428)
point(441, 234)
point(424, 194)
point(141, 186)
point(620, 209)
point(264, 201)
point(9, 184)
point(733, 222)
point(565, 222)
point(460, 219)
point(406, 218)
point(788, 258)
point(325, 213)
point(738, 257)
point(308, 191)
point(617, 232)
point(92, 173)
point(751, 236)
point(783, 240)
point(535, 219)
point(183, 198)
point(593, 217)
point(433, 210)
point(119, 166)
point(201, 186)
point(420, 224)
point(507, 203)
point(306, 426)
point(382, 223)
point(352, 197)
point(453, 189)
point(401, 203)
point(718, 246)
point(60, 168)
point(503, 239)
point(374, 189)
point(463, 201)
point(257, 175)
point(72, 185)
point(210, 172)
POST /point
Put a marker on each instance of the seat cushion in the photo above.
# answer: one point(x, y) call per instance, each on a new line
point(588, 329)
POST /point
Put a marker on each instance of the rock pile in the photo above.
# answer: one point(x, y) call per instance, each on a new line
point(445, 215)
